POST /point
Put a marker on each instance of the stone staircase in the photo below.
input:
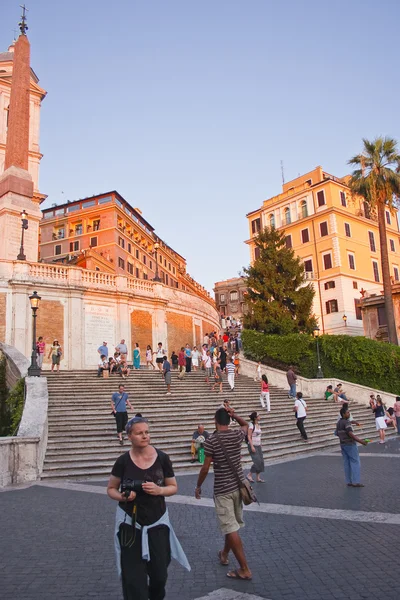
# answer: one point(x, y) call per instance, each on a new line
point(82, 439)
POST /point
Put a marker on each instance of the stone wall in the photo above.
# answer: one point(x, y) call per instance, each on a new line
point(141, 331)
point(50, 324)
point(2, 317)
point(180, 331)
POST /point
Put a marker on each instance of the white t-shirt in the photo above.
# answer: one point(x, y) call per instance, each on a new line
point(300, 408)
point(207, 362)
point(160, 352)
point(256, 437)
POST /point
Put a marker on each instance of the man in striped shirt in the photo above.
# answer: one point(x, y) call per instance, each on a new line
point(230, 371)
point(227, 497)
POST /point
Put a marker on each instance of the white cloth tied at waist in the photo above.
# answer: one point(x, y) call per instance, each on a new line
point(177, 551)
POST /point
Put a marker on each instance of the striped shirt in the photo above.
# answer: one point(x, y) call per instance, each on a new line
point(230, 367)
point(225, 481)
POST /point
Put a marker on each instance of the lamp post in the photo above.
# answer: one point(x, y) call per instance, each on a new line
point(320, 374)
point(156, 247)
point(34, 370)
point(345, 320)
point(24, 225)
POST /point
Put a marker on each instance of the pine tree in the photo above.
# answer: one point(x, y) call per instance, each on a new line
point(278, 299)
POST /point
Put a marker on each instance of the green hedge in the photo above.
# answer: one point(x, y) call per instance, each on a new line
point(356, 359)
point(11, 403)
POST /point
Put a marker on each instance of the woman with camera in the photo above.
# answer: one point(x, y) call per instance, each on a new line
point(140, 481)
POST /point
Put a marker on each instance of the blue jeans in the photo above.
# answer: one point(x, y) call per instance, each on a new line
point(292, 390)
point(351, 462)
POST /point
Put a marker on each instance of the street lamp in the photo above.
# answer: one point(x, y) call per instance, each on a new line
point(156, 247)
point(345, 320)
point(320, 374)
point(24, 225)
point(34, 370)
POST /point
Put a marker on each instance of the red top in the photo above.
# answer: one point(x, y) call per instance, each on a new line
point(181, 359)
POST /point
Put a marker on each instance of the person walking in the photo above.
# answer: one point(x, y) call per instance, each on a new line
point(255, 449)
point(348, 446)
point(160, 357)
point(140, 481)
point(40, 349)
point(188, 357)
point(56, 354)
point(207, 366)
point(264, 394)
point(167, 375)
point(119, 402)
point(136, 357)
point(224, 442)
point(217, 377)
point(300, 408)
point(182, 363)
point(195, 358)
point(222, 356)
point(380, 422)
point(149, 358)
point(291, 379)
point(396, 411)
point(230, 371)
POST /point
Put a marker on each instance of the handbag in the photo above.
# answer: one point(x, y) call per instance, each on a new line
point(246, 491)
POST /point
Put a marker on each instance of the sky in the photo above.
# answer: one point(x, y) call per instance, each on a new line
point(188, 108)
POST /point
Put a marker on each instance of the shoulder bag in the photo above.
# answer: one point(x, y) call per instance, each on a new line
point(246, 491)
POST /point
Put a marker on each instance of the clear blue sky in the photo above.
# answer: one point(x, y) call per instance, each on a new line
point(187, 108)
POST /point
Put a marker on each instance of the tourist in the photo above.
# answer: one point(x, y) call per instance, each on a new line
point(396, 410)
point(222, 357)
point(188, 358)
point(348, 447)
point(144, 538)
point(117, 358)
point(236, 362)
point(264, 394)
point(195, 358)
point(122, 348)
point(225, 337)
point(239, 340)
point(160, 356)
point(103, 349)
point(255, 449)
point(136, 357)
point(55, 353)
point(174, 360)
point(340, 395)
point(258, 372)
point(291, 379)
point(149, 358)
point(380, 423)
point(329, 394)
point(40, 349)
point(207, 366)
point(218, 377)
point(300, 408)
point(390, 419)
point(112, 365)
point(182, 361)
point(119, 403)
point(123, 367)
point(227, 496)
point(198, 439)
point(230, 371)
point(167, 375)
point(206, 340)
point(102, 366)
point(372, 401)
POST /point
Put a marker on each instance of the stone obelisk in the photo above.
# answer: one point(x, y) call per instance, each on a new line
point(16, 185)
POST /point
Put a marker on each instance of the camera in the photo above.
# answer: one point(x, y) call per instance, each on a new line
point(131, 485)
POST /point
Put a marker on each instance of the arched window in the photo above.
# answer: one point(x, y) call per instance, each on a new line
point(233, 296)
point(303, 209)
point(287, 219)
point(271, 220)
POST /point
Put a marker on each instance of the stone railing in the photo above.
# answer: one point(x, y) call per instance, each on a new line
point(22, 455)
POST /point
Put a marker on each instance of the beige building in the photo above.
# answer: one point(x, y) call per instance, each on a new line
point(374, 313)
point(230, 297)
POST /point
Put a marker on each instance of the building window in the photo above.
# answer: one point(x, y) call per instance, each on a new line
point(305, 237)
point(323, 227)
point(129, 267)
point(121, 263)
point(331, 306)
point(256, 226)
point(159, 259)
point(169, 267)
point(271, 220)
point(347, 230)
point(96, 225)
point(352, 261)
point(257, 252)
point(61, 233)
point(121, 242)
point(382, 320)
point(74, 246)
point(137, 254)
point(288, 241)
point(144, 259)
point(93, 242)
point(145, 276)
point(286, 216)
point(166, 279)
point(137, 273)
point(303, 209)
point(388, 219)
point(371, 241)
point(327, 258)
point(151, 264)
point(396, 273)
point(129, 248)
point(329, 285)
point(233, 296)
point(375, 267)
point(222, 298)
point(173, 270)
point(355, 285)
point(392, 246)
point(321, 198)
point(343, 199)
point(165, 262)
point(308, 267)
point(57, 249)
point(78, 229)
point(357, 308)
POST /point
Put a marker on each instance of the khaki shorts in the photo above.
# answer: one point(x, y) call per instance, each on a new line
point(229, 509)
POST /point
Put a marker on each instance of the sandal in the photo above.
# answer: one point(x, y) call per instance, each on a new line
point(236, 575)
point(221, 562)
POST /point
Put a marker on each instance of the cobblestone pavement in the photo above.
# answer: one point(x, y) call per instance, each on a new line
point(57, 543)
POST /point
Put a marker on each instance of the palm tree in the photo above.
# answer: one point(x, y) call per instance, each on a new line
point(377, 180)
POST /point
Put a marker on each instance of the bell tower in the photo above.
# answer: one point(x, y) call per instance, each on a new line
point(17, 186)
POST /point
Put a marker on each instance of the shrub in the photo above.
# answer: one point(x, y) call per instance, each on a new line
point(356, 359)
point(16, 402)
